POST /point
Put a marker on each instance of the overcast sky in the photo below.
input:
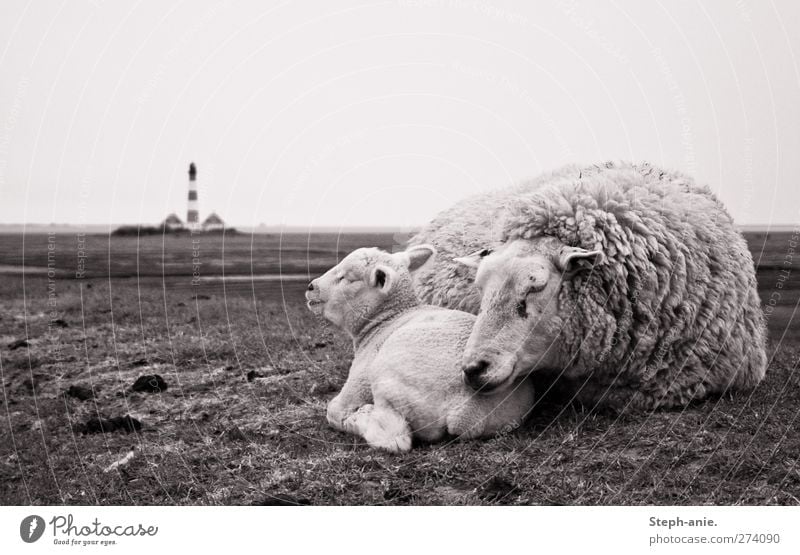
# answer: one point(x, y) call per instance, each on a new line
point(383, 113)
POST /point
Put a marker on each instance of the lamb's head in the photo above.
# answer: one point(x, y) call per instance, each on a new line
point(520, 320)
point(366, 282)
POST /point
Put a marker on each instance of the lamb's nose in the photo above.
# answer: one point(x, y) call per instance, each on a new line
point(473, 373)
point(311, 286)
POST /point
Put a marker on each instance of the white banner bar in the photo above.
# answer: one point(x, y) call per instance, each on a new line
point(388, 530)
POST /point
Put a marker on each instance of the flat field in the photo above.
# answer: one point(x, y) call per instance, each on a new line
point(248, 372)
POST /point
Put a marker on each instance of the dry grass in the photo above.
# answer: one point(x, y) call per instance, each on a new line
point(216, 437)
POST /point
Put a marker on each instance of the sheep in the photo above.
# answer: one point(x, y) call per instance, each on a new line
point(405, 380)
point(628, 283)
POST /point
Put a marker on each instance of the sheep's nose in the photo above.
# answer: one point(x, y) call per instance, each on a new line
point(311, 286)
point(473, 373)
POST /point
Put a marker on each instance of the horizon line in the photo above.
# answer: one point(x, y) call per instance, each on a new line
point(262, 228)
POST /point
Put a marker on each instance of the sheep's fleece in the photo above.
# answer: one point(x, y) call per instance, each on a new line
point(675, 311)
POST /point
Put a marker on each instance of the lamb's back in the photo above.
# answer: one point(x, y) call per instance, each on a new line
point(420, 359)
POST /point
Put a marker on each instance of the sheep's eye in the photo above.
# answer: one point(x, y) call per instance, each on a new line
point(536, 287)
point(485, 252)
point(522, 309)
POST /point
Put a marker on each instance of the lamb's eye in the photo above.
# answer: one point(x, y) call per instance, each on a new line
point(522, 309)
point(485, 252)
point(536, 286)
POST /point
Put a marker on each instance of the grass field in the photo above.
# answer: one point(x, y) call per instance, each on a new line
point(249, 371)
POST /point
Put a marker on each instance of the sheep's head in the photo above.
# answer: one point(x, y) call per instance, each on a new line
point(366, 282)
point(520, 320)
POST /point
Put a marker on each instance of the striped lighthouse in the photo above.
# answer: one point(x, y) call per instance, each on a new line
point(192, 215)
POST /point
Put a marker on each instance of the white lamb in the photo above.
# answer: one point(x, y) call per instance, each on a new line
point(405, 379)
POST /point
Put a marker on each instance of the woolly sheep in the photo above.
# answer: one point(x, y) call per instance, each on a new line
point(628, 283)
point(405, 377)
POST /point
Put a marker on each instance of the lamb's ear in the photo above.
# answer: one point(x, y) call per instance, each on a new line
point(382, 277)
point(418, 255)
point(473, 260)
point(572, 259)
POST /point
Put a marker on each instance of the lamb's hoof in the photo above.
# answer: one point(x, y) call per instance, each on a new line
point(397, 444)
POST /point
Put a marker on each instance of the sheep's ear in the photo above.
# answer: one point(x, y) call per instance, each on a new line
point(473, 260)
point(382, 277)
point(572, 259)
point(418, 255)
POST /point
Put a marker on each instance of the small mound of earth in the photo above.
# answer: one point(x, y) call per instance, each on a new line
point(149, 383)
point(97, 425)
point(13, 346)
point(253, 374)
point(80, 392)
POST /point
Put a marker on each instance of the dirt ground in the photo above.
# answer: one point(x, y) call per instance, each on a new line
point(239, 417)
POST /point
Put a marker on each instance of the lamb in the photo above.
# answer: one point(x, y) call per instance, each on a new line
point(628, 283)
point(405, 380)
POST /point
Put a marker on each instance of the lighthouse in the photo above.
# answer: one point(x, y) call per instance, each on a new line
point(192, 215)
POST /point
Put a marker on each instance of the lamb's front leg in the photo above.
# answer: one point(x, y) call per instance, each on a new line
point(382, 427)
point(352, 411)
point(355, 394)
